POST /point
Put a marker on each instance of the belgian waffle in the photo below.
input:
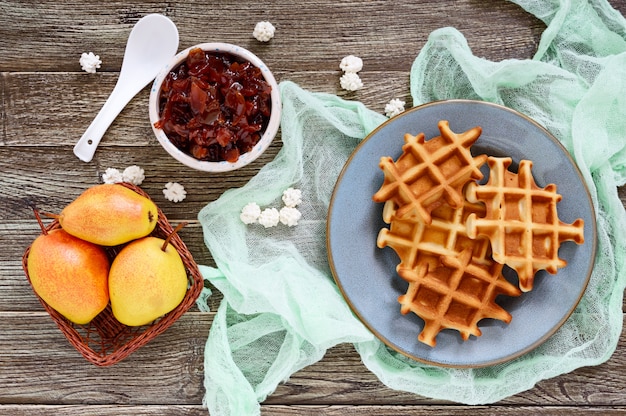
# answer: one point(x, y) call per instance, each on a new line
point(521, 220)
point(416, 242)
point(429, 172)
point(456, 295)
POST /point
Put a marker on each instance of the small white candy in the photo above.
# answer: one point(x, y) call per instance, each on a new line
point(174, 192)
point(350, 81)
point(89, 62)
point(292, 197)
point(134, 174)
point(250, 213)
point(351, 63)
point(290, 216)
point(269, 217)
point(263, 31)
point(112, 175)
point(394, 107)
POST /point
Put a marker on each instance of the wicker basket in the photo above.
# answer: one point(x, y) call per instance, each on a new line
point(104, 341)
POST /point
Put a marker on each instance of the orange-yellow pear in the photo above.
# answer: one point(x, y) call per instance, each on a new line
point(109, 214)
point(70, 274)
point(145, 281)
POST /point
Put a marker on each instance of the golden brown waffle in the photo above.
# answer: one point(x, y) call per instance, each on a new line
point(430, 172)
point(423, 250)
point(521, 220)
point(416, 242)
point(456, 295)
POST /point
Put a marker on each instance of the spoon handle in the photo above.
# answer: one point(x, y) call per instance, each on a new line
point(86, 146)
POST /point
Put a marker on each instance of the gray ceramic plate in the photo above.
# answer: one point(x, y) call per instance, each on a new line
point(366, 274)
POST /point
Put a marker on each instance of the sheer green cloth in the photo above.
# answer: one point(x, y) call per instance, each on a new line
point(281, 309)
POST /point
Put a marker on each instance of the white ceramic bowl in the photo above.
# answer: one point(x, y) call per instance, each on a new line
point(245, 158)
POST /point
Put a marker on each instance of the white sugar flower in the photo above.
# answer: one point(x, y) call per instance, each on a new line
point(174, 192)
point(394, 107)
point(263, 31)
point(89, 62)
point(133, 174)
point(250, 213)
point(350, 81)
point(351, 63)
point(269, 217)
point(112, 175)
point(292, 197)
point(289, 216)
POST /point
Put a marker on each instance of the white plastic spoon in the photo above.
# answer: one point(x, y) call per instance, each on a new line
point(151, 45)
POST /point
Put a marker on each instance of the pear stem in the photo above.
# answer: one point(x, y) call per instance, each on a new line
point(50, 215)
point(169, 237)
point(43, 227)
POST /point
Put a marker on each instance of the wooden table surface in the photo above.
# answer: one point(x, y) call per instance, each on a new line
point(47, 101)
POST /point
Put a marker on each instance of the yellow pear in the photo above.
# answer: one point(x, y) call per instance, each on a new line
point(147, 280)
point(70, 274)
point(109, 214)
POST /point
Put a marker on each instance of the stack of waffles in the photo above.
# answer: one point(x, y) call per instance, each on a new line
point(453, 235)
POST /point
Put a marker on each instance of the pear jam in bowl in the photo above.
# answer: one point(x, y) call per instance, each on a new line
point(216, 107)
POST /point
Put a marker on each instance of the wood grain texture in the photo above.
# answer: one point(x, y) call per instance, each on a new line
point(169, 371)
point(46, 103)
point(315, 35)
point(342, 410)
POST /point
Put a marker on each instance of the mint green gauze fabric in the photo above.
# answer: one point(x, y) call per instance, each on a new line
point(281, 309)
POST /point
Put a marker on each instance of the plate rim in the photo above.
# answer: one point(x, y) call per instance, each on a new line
point(540, 340)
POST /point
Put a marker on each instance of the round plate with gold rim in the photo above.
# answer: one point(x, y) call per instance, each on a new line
point(366, 274)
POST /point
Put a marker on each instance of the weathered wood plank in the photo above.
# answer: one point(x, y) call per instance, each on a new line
point(169, 370)
point(312, 28)
point(373, 410)
point(348, 410)
point(338, 410)
point(59, 177)
point(31, 120)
